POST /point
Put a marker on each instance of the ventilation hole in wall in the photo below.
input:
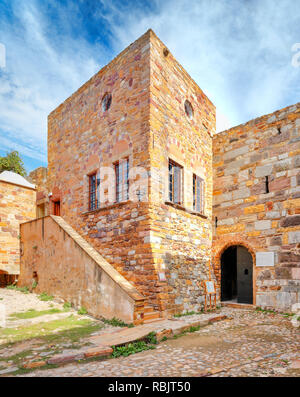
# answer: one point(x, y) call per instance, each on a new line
point(35, 276)
point(216, 221)
point(166, 52)
point(279, 130)
point(106, 102)
point(188, 109)
point(267, 184)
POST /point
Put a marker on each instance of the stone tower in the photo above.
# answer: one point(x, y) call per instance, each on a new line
point(141, 112)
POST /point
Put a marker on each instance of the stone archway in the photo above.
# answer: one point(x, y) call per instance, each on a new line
point(235, 263)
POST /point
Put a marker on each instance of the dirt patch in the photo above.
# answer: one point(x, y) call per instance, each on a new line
point(201, 341)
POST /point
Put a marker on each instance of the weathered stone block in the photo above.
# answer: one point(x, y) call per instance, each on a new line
point(99, 351)
point(288, 257)
point(263, 225)
point(263, 170)
point(258, 188)
point(273, 215)
point(296, 273)
point(232, 154)
point(265, 259)
point(290, 221)
point(283, 165)
point(294, 237)
point(276, 240)
point(283, 272)
point(254, 209)
point(286, 299)
point(66, 358)
point(34, 364)
point(281, 183)
point(241, 193)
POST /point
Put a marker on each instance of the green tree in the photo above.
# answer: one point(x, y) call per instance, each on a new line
point(12, 162)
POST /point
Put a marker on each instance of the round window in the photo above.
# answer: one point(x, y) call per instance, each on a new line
point(106, 102)
point(188, 109)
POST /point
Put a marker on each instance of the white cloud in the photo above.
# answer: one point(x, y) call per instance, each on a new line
point(239, 52)
point(42, 70)
point(223, 123)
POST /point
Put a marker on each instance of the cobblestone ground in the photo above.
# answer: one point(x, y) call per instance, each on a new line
point(250, 343)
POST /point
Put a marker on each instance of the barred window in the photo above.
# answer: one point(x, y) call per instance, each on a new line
point(175, 182)
point(198, 194)
point(122, 180)
point(93, 202)
point(188, 109)
point(106, 102)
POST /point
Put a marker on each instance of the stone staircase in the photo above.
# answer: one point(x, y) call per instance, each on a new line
point(151, 315)
point(69, 268)
point(52, 238)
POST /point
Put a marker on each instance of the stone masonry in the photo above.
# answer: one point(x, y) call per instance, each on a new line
point(257, 202)
point(17, 205)
point(180, 237)
point(146, 123)
point(74, 271)
point(157, 115)
point(39, 178)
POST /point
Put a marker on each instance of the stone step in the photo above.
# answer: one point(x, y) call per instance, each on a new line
point(238, 305)
point(149, 321)
point(148, 309)
point(151, 315)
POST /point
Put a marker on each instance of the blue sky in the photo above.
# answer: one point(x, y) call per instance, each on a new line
point(238, 51)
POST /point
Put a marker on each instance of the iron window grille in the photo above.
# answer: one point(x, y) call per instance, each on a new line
point(93, 184)
point(122, 180)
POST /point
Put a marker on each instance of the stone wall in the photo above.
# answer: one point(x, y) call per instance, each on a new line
point(17, 205)
point(62, 263)
point(82, 138)
point(146, 122)
point(268, 224)
point(180, 238)
point(39, 177)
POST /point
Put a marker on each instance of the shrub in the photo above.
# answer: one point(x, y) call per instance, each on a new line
point(67, 305)
point(115, 322)
point(34, 284)
point(25, 290)
point(131, 348)
point(82, 310)
point(151, 338)
point(45, 297)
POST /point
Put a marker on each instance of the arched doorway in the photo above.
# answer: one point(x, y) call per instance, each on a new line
point(6, 278)
point(237, 275)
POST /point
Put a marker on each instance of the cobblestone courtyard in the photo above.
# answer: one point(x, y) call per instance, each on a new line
point(249, 343)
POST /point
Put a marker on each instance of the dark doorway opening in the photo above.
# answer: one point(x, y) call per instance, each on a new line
point(237, 275)
point(56, 208)
point(7, 279)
